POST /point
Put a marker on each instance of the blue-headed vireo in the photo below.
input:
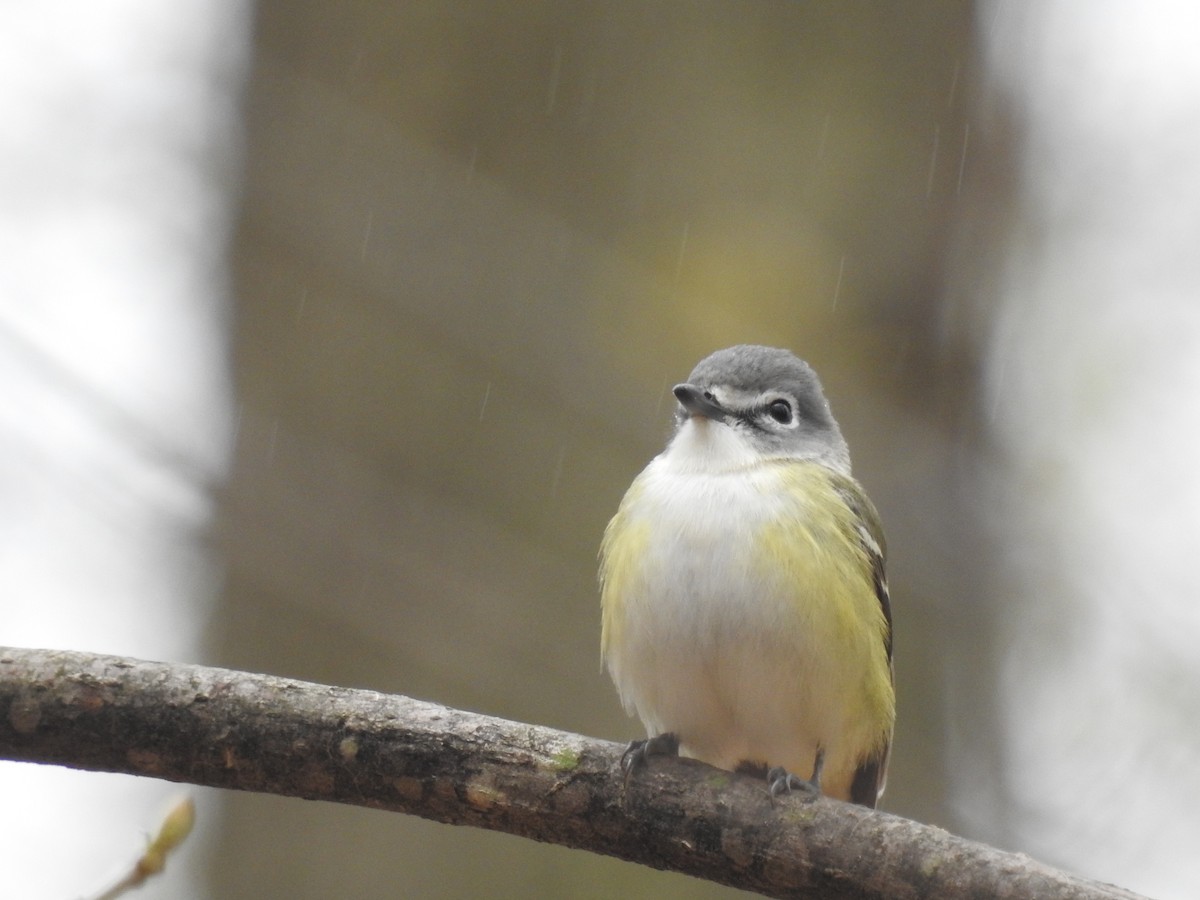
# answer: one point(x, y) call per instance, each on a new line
point(746, 615)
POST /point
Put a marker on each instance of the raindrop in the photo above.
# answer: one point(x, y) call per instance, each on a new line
point(937, 136)
point(487, 392)
point(588, 100)
point(272, 439)
point(962, 160)
point(472, 163)
point(823, 139)
point(837, 288)
point(997, 382)
point(366, 240)
point(558, 470)
point(555, 72)
point(900, 357)
point(662, 395)
point(679, 259)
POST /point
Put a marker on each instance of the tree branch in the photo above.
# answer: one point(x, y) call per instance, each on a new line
point(236, 730)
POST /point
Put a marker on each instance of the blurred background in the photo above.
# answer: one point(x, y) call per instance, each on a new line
point(332, 334)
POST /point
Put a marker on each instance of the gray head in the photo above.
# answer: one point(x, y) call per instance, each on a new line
point(770, 398)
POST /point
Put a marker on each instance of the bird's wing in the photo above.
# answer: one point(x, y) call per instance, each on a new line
point(871, 775)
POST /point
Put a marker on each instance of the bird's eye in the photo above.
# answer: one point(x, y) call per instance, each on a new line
point(780, 411)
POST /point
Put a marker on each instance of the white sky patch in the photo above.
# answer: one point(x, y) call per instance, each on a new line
point(116, 159)
point(1096, 379)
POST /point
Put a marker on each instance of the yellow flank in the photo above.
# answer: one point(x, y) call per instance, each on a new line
point(624, 546)
point(818, 543)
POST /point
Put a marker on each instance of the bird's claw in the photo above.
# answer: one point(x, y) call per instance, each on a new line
point(780, 780)
point(638, 752)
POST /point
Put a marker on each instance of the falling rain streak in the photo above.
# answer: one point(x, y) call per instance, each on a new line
point(837, 288)
point(683, 241)
point(823, 139)
point(662, 395)
point(555, 72)
point(558, 470)
point(997, 383)
point(272, 441)
point(937, 136)
point(471, 165)
point(366, 240)
point(487, 392)
point(962, 160)
point(954, 84)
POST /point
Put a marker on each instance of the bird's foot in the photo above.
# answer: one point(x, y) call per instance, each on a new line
point(780, 780)
point(638, 752)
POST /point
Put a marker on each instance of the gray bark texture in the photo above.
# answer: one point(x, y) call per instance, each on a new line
point(242, 731)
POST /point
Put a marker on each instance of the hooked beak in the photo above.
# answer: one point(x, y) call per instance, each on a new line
point(699, 402)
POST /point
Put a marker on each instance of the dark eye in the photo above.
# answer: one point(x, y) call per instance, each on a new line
point(780, 411)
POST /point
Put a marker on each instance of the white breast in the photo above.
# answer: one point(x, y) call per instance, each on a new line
point(712, 645)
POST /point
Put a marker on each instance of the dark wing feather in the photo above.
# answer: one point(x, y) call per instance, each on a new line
point(871, 775)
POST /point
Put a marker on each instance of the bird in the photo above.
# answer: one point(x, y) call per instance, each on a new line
point(745, 610)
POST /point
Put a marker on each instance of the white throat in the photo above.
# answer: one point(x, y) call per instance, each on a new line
point(703, 446)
